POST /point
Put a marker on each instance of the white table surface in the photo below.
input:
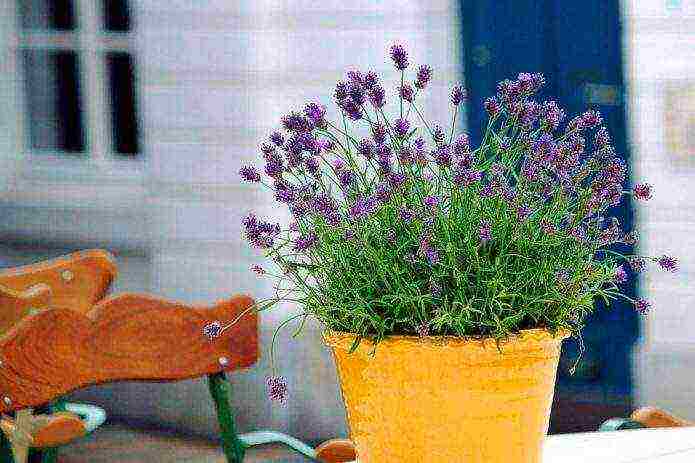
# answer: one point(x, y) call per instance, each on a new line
point(675, 445)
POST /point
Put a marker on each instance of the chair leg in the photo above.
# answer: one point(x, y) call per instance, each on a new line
point(6, 454)
point(234, 449)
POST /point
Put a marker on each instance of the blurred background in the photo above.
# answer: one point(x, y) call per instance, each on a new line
point(124, 124)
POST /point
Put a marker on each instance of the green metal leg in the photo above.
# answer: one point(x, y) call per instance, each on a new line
point(620, 424)
point(49, 455)
point(234, 448)
point(5, 449)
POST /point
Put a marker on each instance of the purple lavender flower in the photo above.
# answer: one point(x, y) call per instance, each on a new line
point(286, 195)
point(382, 192)
point(620, 276)
point(349, 234)
point(397, 179)
point(362, 207)
point(523, 212)
point(419, 143)
point(274, 166)
point(250, 174)
point(212, 330)
point(487, 191)
point(391, 236)
point(467, 177)
point(492, 106)
point(427, 251)
point(370, 80)
point(295, 122)
point(642, 191)
point(458, 94)
point(462, 145)
point(276, 138)
point(377, 96)
point(552, 115)
point(637, 264)
point(268, 150)
point(431, 201)
point(356, 93)
point(485, 231)
point(438, 135)
point(355, 77)
point(260, 234)
point(341, 92)
point(530, 83)
point(642, 306)
point(305, 242)
point(399, 56)
point(366, 148)
point(406, 92)
point(379, 133)
point(668, 263)
point(277, 389)
point(423, 76)
point(347, 178)
point(406, 215)
point(405, 155)
point(591, 119)
point(401, 127)
point(312, 165)
point(315, 113)
point(442, 156)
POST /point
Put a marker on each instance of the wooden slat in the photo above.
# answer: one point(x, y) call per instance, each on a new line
point(128, 337)
point(77, 280)
point(653, 417)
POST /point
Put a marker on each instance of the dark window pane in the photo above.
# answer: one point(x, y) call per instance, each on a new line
point(116, 15)
point(47, 14)
point(124, 117)
point(54, 101)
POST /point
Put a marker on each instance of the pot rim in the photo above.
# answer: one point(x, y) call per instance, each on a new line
point(344, 339)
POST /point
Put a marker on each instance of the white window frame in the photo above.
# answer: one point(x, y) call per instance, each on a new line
point(98, 165)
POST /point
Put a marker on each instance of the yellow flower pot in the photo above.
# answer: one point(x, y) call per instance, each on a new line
point(447, 399)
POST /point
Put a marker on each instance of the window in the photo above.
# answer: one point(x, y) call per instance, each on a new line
point(79, 76)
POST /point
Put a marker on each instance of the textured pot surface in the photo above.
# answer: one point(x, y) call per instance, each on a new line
point(447, 399)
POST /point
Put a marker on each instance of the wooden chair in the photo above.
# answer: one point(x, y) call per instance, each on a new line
point(61, 335)
point(76, 282)
point(646, 417)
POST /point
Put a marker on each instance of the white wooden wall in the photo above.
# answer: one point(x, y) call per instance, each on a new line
point(215, 76)
point(661, 58)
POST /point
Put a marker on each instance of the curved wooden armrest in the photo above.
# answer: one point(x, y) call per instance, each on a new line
point(336, 451)
point(652, 417)
point(77, 280)
point(15, 305)
point(127, 337)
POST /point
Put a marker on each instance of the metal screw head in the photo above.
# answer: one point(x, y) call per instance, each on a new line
point(67, 275)
point(224, 361)
point(7, 401)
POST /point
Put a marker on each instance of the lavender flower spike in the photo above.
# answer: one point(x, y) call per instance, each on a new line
point(399, 56)
point(401, 127)
point(277, 389)
point(250, 174)
point(458, 94)
point(642, 306)
point(642, 191)
point(424, 75)
point(668, 263)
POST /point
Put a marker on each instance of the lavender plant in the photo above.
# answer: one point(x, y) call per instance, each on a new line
point(400, 226)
